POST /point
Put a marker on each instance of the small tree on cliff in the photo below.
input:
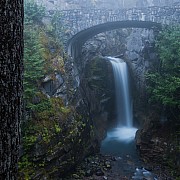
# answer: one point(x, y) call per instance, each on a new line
point(11, 55)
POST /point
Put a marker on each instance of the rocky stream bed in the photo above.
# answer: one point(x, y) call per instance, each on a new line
point(107, 167)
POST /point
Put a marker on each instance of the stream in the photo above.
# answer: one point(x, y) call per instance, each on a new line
point(119, 141)
point(118, 158)
point(120, 144)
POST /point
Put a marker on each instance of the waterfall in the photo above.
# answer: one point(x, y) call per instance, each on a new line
point(123, 100)
point(119, 140)
point(124, 131)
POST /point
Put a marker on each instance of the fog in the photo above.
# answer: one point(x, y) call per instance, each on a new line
point(104, 4)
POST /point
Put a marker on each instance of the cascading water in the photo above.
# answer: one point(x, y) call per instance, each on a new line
point(120, 140)
point(124, 131)
point(123, 100)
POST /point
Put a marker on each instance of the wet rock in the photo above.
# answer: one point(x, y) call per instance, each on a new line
point(75, 176)
point(107, 164)
point(105, 169)
point(143, 174)
point(118, 158)
point(114, 158)
point(89, 173)
point(100, 173)
point(148, 168)
point(131, 163)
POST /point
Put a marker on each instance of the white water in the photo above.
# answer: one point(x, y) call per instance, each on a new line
point(121, 134)
point(123, 101)
point(124, 131)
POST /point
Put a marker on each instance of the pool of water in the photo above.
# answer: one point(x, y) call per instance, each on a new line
point(120, 142)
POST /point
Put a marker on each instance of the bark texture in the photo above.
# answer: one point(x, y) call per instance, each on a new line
point(11, 67)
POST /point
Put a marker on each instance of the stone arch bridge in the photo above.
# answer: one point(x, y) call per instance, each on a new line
point(85, 23)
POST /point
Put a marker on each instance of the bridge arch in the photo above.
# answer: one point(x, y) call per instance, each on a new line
point(75, 44)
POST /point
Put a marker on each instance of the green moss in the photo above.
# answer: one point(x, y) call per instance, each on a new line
point(48, 124)
point(29, 140)
point(65, 110)
point(26, 167)
point(42, 164)
point(24, 163)
point(46, 135)
point(57, 128)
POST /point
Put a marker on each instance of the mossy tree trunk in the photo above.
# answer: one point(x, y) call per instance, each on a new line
point(11, 67)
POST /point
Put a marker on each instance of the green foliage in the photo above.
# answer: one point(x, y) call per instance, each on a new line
point(57, 128)
point(57, 27)
point(49, 108)
point(33, 13)
point(25, 162)
point(29, 140)
point(164, 89)
point(47, 123)
point(55, 21)
point(33, 62)
point(42, 50)
point(164, 83)
point(26, 167)
point(168, 45)
point(52, 52)
point(50, 124)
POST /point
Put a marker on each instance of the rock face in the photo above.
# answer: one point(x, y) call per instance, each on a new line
point(91, 79)
point(135, 46)
point(89, 88)
point(59, 133)
point(55, 141)
point(157, 142)
point(97, 89)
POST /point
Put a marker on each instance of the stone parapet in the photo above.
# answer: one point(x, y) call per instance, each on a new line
point(80, 19)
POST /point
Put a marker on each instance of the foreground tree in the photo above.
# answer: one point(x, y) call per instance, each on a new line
point(11, 55)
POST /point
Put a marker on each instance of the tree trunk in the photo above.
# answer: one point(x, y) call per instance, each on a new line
point(11, 67)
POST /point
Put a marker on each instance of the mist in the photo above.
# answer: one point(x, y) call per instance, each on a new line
point(104, 4)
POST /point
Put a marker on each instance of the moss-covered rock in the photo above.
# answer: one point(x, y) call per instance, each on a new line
point(54, 140)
